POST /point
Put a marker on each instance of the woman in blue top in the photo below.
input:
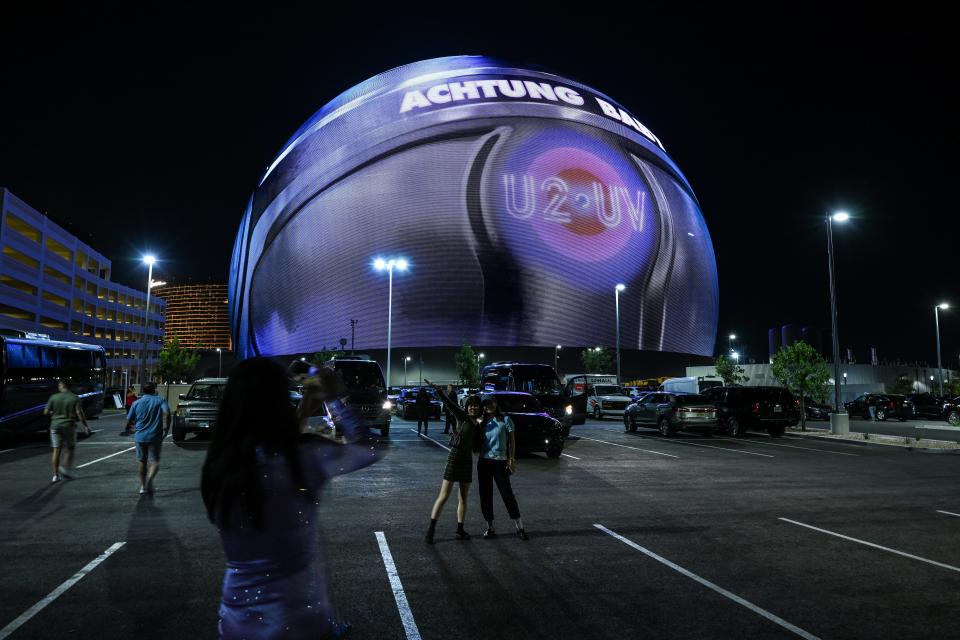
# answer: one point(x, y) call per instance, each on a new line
point(497, 464)
point(261, 485)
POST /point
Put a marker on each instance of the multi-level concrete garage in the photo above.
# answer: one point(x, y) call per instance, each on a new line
point(520, 199)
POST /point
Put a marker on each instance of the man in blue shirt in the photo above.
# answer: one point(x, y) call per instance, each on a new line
point(150, 418)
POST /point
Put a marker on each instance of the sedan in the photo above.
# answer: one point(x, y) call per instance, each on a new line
point(407, 403)
point(536, 430)
point(672, 412)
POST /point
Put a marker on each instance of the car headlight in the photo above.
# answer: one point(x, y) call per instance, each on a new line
point(182, 412)
point(568, 409)
point(388, 405)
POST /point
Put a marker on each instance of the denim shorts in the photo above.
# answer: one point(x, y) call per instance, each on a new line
point(63, 436)
point(148, 451)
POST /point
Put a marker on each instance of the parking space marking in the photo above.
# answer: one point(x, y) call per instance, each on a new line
point(442, 446)
point(7, 450)
point(706, 446)
point(874, 545)
point(567, 455)
point(793, 446)
point(659, 453)
point(87, 464)
point(406, 615)
point(56, 593)
point(949, 513)
point(732, 596)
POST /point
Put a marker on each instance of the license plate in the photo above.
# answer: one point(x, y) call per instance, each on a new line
point(777, 408)
point(204, 425)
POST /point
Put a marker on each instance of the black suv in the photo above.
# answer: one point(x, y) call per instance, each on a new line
point(672, 412)
point(743, 408)
point(197, 409)
point(407, 403)
point(536, 429)
point(889, 405)
point(927, 405)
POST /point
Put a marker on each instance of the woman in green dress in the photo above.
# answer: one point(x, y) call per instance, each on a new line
point(459, 466)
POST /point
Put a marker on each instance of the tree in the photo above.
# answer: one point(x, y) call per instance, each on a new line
point(324, 354)
point(175, 363)
point(466, 363)
point(596, 360)
point(903, 385)
point(731, 372)
point(804, 372)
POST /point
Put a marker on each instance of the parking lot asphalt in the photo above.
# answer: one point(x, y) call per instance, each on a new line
point(631, 536)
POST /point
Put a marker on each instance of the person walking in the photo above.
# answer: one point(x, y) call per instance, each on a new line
point(872, 407)
point(496, 464)
point(423, 407)
point(451, 420)
point(128, 402)
point(149, 417)
point(459, 467)
point(261, 483)
point(64, 408)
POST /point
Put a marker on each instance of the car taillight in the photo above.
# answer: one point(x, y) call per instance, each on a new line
point(756, 408)
point(892, 405)
point(796, 403)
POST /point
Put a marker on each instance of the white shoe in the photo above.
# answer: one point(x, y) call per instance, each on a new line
point(69, 474)
point(143, 491)
point(56, 478)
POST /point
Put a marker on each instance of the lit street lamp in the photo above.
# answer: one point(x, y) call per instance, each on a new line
point(401, 265)
point(556, 354)
point(479, 358)
point(730, 339)
point(149, 260)
point(839, 420)
point(936, 318)
point(219, 362)
point(616, 296)
point(735, 356)
point(405, 361)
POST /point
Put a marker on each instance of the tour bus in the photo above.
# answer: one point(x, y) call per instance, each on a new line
point(540, 381)
point(31, 364)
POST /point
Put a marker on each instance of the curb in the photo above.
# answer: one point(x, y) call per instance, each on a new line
point(860, 443)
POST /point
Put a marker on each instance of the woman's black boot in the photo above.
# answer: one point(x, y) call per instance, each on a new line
point(430, 531)
point(461, 534)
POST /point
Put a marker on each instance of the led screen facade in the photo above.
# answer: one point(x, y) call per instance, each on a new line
point(519, 197)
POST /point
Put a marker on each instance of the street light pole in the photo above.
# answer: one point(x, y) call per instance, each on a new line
point(616, 298)
point(556, 354)
point(380, 264)
point(730, 339)
point(219, 362)
point(146, 318)
point(838, 424)
point(405, 361)
point(479, 358)
point(936, 318)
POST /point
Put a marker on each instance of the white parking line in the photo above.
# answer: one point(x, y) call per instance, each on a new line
point(614, 444)
point(706, 446)
point(793, 446)
point(87, 464)
point(875, 546)
point(732, 596)
point(567, 455)
point(406, 615)
point(56, 593)
point(7, 450)
point(949, 513)
point(442, 446)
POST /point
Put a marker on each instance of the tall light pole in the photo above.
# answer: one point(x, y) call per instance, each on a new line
point(405, 361)
point(735, 356)
point(730, 339)
point(839, 420)
point(400, 265)
point(616, 298)
point(936, 319)
point(219, 362)
point(479, 358)
point(556, 357)
point(148, 260)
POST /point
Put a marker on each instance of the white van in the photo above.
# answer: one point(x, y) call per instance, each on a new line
point(690, 384)
point(605, 396)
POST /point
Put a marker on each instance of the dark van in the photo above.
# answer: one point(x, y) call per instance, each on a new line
point(772, 409)
point(368, 392)
point(540, 381)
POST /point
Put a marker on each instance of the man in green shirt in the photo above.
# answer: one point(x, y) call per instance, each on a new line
point(64, 409)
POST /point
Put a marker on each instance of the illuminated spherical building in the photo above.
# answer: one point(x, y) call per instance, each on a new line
point(521, 198)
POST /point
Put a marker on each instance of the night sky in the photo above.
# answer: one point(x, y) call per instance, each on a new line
point(150, 131)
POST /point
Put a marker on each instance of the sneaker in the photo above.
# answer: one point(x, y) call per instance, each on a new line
point(143, 491)
point(56, 478)
point(489, 533)
point(522, 534)
point(68, 474)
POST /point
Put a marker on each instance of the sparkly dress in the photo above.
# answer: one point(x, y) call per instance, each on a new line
point(274, 585)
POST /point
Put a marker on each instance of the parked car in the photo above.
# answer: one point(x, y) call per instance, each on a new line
point(407, 403)
point(672, 412)
point(889, 405)
point(536, 430)
point(690, 384)
point(606, 400)
point(816, 410)
point(463, 392)
point(392, 394)
point(927, 405)
point(743, 408)
point(197, 409)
